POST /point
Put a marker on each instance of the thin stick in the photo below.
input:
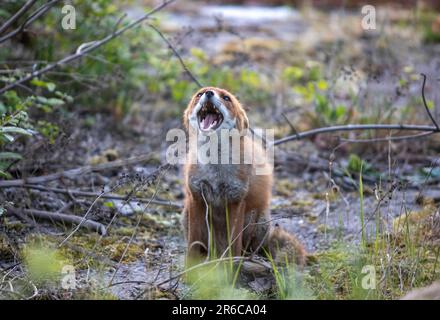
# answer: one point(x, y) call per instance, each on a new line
point(290, 123)
point(82, 221)
point(69, 218)
point(34, 16)
point(69, 174)
point(88, 194)
point(176, 54)
point(17, 15)
point(425, 104)
point(207, 224)
point(133, 234)
point(355, 127)
point(387, 139)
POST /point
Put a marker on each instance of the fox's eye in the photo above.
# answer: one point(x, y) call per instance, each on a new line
point(226, 98)
point(199, 94)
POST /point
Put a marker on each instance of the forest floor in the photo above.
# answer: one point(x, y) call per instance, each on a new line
point(314, 196)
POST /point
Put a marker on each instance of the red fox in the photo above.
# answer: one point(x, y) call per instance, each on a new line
point(227, 205)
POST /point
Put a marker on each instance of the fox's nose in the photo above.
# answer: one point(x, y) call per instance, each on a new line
point(209, 94)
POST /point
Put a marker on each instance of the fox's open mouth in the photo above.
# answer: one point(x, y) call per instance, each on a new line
point(209, 117)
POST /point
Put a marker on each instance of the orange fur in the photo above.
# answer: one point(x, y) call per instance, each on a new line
point(249, 213)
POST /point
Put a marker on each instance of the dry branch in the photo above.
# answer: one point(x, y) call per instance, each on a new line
point(34, 16)
point(17, 15)
point(355, 127)
point(70, 174)
point(88, 194)
point(425, 104)
point(67, 218)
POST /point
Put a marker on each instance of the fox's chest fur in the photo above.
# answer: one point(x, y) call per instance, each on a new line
point(219, 183)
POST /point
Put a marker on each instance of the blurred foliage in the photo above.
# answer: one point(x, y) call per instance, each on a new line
point(43, 263)
point(309, 83)
point(214, 282)
point(430, 25)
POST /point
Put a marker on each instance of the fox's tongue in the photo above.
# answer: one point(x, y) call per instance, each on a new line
point(208, 121)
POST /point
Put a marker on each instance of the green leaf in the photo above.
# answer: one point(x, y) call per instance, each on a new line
point(50, 86)
point(322, 105)
point(38, 83)
point(42, 100)
point(4, 174)
point(15, 130)
point(7, 137)
point(430, 104)
point(10, 155)
point(55, 102)
point(322, 85)
point(109, 204)
point(293, 73)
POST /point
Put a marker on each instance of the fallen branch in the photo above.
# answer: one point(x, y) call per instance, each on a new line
point(70, 174)
point(88, 194)
point(85, 48)
point(428, 130)
point(67, 218)
point(355, 127)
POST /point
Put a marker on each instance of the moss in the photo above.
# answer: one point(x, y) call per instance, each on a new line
point(14, 225)
point(418, 227)
point(121, 250)
point(6, 249)
point(284, 187)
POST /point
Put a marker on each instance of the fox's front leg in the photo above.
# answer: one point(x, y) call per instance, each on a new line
point(197, 244)
point(236, 225)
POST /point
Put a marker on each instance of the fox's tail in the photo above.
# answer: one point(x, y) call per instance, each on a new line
point(285, 248)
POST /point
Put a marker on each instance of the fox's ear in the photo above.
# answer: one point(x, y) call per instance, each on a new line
point(187, 113)
point(185, 118)
point(243, 122)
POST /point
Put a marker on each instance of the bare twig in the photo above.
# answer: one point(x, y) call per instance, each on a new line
point(193, 78)
point(387, 139)
point(290, 123)
point(83, 220)
point(88, 194)
point(425, 104)
point(208, 256)
point(69, 174)
point(34, 16)
point(17, 15)
point(69, 218)
point(135, 231)
point(356, 127)
point(95, 45)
